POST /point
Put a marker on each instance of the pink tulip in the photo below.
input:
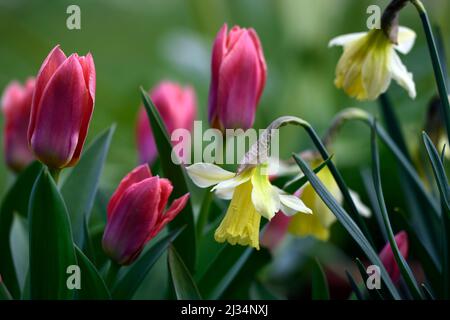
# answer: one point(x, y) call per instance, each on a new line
point(387, 256)
point(62, 107)
point(275, 231)
point(238, 76)
point(136, 214)
point(178, 108)
point(16, 106)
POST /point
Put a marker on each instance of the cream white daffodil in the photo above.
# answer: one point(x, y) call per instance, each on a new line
point(370, 61)
point(252, 196)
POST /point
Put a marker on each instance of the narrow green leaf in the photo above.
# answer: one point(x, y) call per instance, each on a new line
point(183, 283)
point(186, 243)
point(51, 246)
point(374, 293)
point(293, 185)
point(319, 282)
point(347, 223)
point(427, 292)
point(401, 262)
point(351, 280)
point(81, 185)
point(127, 285)
point(4, 293)
point(92, 284)
point(16, 200)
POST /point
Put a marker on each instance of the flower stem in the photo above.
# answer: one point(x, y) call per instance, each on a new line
point(54, 172)
point(111, 274)
point(437, 65)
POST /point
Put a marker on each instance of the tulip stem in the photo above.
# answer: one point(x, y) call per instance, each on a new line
point(111, 274)
point(54, 172)
point(437, 65)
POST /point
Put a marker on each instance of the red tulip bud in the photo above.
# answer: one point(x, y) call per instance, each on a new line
point(178, 108)
point(238, 76)
point(136, 213)
point(387, 256)
point(16, 106)
point(62, 107)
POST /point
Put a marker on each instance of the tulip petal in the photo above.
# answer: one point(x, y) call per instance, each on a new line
point(360, 206)
point(265, 198)
point(262, 70)
point(346, 39)
point(127, 230)
point(176, 207)
point(406, 39)
point(59, 115)
point(206, 174)
point(145, 140)
point(401, 75)
point(387, 255)
point(166, 190)
point(53, 61)
point(239, 84)
point(137, 175)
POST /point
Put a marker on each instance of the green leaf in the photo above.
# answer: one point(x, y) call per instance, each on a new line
point(438, 170)
point(319, 283)
point(4, 293)
point(223, 270)
point(204, 212)
point(374, 293)
point(348, 224)
point(427, 292)
point(16, 200)
point(298, 182)
point(356, 290)
point(186, 243)
point(401, 262)
point(81, 185)
point(92, 284)
point(127, 285)
point(51, 246)
point(183, 283)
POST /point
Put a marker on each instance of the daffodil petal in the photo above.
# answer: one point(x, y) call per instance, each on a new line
point(224, 193)
point(232, 183)
point(291, 205)
point(207, 174)
point(376, 75)
point(265, 197)
point(345, 39)
point(360, 206)
point(401, 75)
point(406, 39)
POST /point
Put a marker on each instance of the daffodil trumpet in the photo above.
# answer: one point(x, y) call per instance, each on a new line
point(252, 196)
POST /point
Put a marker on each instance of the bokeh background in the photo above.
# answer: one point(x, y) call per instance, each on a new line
point(141, 42)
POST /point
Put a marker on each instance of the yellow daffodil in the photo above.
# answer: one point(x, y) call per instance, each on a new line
point(318, 225)
point(370, 61)
point(252, 196)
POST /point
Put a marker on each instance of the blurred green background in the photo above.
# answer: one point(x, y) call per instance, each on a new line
point(141, 42)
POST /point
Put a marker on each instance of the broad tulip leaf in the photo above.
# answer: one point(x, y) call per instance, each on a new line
point(182, 280)
point(186, 243)
point(81, 185)
point(16, 200)
point(127, 285)
point(51, 246)
point(92, 284)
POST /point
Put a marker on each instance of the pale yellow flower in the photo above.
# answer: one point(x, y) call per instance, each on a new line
point(252, 196)
point(370, 61)
point(318, 225)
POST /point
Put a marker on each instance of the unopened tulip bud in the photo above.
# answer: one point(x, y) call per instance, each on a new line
point(16, 107)
point(387, 256)
point(137, 213)
point(178, 108)
point(238, 77)
point(62, 107)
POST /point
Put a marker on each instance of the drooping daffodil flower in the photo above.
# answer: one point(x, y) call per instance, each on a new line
point(318, 225)
point(370, 61)
point(252, 196)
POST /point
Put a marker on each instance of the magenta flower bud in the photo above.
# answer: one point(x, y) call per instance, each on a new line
point(387, 256)
point(275, 231)
point(178, 108)
point(62, 107)
point(137, 213)
point(238, 76)
point(16, 106)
